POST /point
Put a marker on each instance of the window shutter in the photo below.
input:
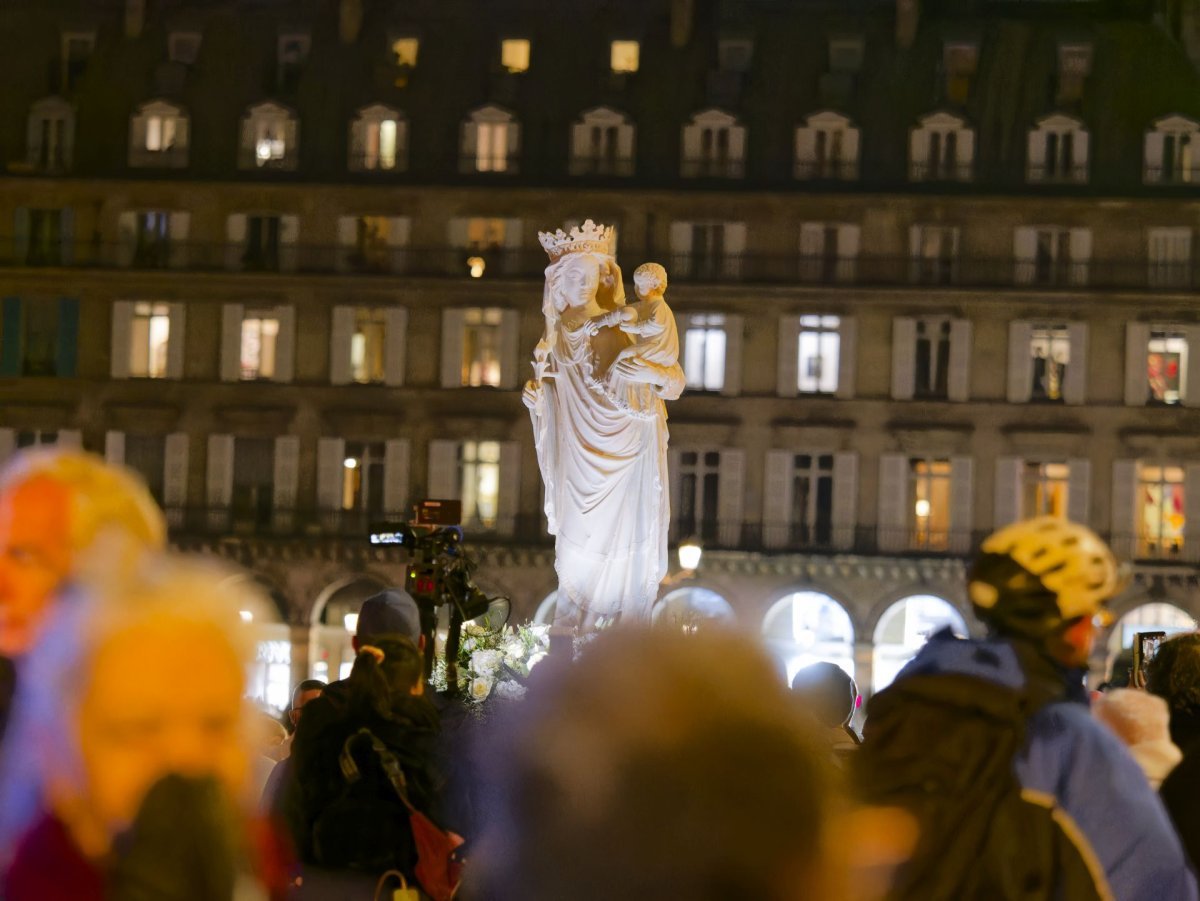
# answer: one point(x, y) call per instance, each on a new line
point(114, 447)
point(682, 253)
point(1193, 165)
point(1024, 254)
point(235, 240)
point(33, 139)
point(1035, 155)
point(248, 140)
point(289, 235)
point(847, 251)
point(220, 471)
point(735, 326)
point(1082, 154)
point(509, 501)
point(72, 438)
point(1081, 254)
point(1007, 506)
point(1191, 390)
point(357, 144)
point(730, 495)
point(395, 337)
point(918, 154)
point(232, 315)
point(1124, 507)
point(286, 478)
point(737, 152)
point(893, 522)
point(122, 338)
point(735, 250)
point(443, 482)
point(626, 148)
point(453, 322)
point(179, 225)
point(915, 235)
point(11, 344)
point(285, 344)
point(347, 230)
point(777, 498)
point(581, 158)
point(399, 228)
point(21, 236)
point(510, 348)
point(291, 143)
point(845, 499)
point(1020, 369)
point(812, 250)
point(787, 382)
point(513, 133)
point(1137, 382)
point(850, 141)
point(689, 163)
point(176, 339)
point(67, 352)
point(1075, 381)
point(469, 146)
point(513, 246)
point(1152, 157)
point(847, 358)
point(8, 444)
point(959, 387)
point(1079, 482)
point(1191, 512)
point(962, 488)
point(331, 456)
point(341, 336)
point(395, 478)
point(67, 235)
point(175, 476)
point(904, 357)
point(182, 138)
point(126, 237)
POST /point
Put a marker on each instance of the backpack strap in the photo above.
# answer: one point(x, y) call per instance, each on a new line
point(388, 760)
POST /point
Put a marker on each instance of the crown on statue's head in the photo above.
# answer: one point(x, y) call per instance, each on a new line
point(586, 238)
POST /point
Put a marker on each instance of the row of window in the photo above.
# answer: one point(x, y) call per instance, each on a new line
point(925, 503)
point(829, 252)
point(603, 140)
point(480, 346)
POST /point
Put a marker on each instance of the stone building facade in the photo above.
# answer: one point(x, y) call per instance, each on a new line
point(281, 258)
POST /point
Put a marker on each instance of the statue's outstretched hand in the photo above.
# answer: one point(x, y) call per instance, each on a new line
point(532, 395)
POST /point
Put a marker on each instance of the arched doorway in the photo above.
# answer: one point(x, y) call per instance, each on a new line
point(546, 609)
point(333, 655)
point(903, 630)
point(1157, 616)
point(690, 609)
point(809, 627)
point(269, 677)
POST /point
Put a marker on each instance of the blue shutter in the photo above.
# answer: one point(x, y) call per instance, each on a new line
point(66, 235)
point(20, 248)
point(68, 337)
point(10, 337)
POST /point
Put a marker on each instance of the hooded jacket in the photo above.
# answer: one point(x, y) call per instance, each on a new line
point(1102, 800)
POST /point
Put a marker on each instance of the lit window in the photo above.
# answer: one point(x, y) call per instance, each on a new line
point(405, 51)
point(160, 133)
point(1160, 511)
point(485, 234)
point(491, 149)
point(704, 353)
point(1044, 487)
point(367, 346)
point(929, 495)
point(1166, 366)
point(819, 350)
point(481, 347)
point(479, 470)
point(362, 477)
point(625, 56)
point(259, 337)
point(269, 144)
point(1050, 350)
point(150, 332)
point(811, 521)
point(514, 54)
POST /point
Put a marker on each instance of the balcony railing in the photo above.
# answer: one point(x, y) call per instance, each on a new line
point(530, 263)
point(828, 170)
point(707, 167)
point(1076, 174)
point(620, 167)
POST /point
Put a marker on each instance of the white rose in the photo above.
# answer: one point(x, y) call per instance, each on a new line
point(514, 649)
point(536, 659)
point(509, 690)
point(485, 663)
point(540, 630)
point(481, 688)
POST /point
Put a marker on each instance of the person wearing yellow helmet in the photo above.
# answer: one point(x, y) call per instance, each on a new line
point(1019, 792)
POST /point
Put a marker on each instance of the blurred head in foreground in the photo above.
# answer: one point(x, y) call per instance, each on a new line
point(667, 766)
point(54, 506)
point(134, 678)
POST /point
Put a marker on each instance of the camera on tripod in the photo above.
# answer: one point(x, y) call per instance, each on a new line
point(439, 574)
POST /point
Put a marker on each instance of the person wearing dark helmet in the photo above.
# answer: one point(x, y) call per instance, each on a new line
point(1019, 791)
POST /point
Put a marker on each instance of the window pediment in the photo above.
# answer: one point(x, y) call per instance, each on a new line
point(1059, 122)
point(491, 114)
point(714, 118)
point(827, 119)
point(379, 112)
point(603, 115)
point(1175, 123)
point(942, 121)
point(159, 108)
point(269, 110)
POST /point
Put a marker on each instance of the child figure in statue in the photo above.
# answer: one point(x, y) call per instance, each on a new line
point(653, 324)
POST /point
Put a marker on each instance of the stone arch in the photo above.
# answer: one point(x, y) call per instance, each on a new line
point(688, 607)
point(317, 614)
point(807, 625)
point(904, 627)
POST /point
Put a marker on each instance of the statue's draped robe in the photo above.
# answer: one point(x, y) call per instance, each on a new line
point(602, 447)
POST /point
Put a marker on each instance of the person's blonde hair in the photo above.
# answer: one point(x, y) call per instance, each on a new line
point(103, 499)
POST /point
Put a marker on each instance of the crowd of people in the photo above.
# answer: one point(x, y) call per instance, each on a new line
point(650, 765)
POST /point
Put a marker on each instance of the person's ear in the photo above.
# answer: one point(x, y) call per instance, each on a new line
point(354, 643)
point(421, 642)
point(294, 716)
point(417, 690)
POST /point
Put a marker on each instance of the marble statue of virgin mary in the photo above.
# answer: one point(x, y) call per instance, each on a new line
point(600, 427)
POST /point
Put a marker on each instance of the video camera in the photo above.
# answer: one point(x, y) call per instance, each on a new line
point(439, 574)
